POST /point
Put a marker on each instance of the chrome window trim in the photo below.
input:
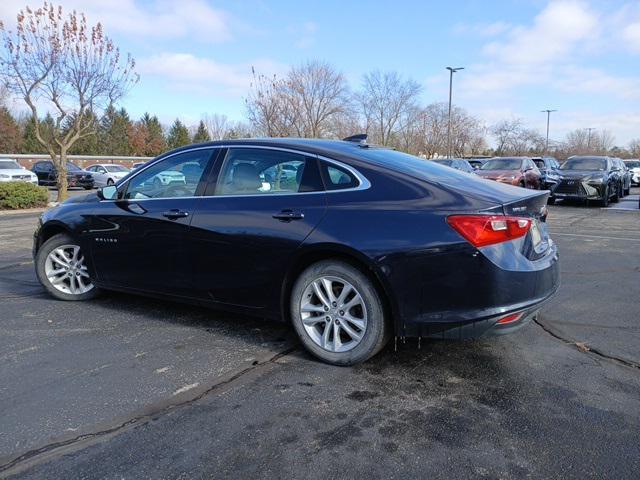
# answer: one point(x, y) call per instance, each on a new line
point(364, 183)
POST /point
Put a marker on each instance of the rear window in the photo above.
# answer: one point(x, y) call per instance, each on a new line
point(633, 164)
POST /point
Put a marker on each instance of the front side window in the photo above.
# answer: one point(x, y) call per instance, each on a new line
point(256, 171)
point(176, 176)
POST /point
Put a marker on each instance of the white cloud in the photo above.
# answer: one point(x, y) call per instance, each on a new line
point(157, 19)
point(184, 71)
point(631, 34)
point(550, 52)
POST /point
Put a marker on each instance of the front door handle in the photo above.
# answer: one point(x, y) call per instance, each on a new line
point(175, 213)
point(288, 215)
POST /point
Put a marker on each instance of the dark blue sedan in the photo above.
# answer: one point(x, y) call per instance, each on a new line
point(351, 243)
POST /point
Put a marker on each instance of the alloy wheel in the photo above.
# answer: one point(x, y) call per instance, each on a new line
point(333, 314)
point(66, 271)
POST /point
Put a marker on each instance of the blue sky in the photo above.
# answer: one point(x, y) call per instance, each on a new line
point(521, 56)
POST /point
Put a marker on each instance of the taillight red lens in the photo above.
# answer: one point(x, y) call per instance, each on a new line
point(483, 230)
point(514, 317)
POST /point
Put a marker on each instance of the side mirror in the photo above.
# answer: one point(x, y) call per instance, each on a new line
point(109, 192)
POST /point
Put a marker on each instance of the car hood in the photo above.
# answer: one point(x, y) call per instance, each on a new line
point(498, 173)
point(88, 198)
point(580, 174)
point(17, 171)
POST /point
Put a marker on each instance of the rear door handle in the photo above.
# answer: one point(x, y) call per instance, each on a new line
point(288, 215)
point(175, 213)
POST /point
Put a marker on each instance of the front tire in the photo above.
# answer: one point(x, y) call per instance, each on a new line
point(60, 268)
point(605, 197)
point(338, 314)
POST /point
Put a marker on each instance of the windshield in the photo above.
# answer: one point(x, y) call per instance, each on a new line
point(9, 165)
point(72, 168)
point(448, 163)
point(539, 163)
point(585, 163)
point(635, 164)
point(116, 168)
point(502, 164)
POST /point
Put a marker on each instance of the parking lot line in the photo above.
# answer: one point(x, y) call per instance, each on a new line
point(594, 236)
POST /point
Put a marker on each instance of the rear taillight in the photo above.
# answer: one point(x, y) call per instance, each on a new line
point(514, 317)
point(483, 230)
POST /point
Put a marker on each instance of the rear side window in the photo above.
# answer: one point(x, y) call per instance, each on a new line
point(261, 171)
point(337, 178)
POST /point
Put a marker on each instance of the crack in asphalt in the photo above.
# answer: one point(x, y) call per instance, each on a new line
point(587, 348)
point(32, 455)
point(13, 265)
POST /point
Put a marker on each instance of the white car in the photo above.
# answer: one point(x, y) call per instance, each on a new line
point(12, 171)
point(107, 173)
point(634, 166)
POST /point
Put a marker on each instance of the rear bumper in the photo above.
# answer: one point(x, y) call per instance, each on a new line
point(467, 295)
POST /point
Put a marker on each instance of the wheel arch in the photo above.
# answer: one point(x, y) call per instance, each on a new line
point(50, 229)
point(313, 254)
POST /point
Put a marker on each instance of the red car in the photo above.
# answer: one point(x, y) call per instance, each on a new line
point(518, 171)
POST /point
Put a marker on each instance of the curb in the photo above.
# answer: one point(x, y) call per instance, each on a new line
point(27, 210)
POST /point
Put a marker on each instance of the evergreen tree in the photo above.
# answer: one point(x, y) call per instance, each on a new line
point(113, 132)
point(10, 137)
point(201, 135)
point(156, 143)
point(86, 145)
point(178, 135)
point(30, 143)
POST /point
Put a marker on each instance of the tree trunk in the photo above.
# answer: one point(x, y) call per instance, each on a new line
point(61, 181)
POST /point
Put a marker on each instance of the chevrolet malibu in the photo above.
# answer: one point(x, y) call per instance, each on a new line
point(353, 245)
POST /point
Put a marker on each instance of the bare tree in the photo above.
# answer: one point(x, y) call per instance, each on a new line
point(217, 125)
point(384, 99)
point(467, 132)
point(266, 106)
point(317, 94)
point(513, 138)
point(634, 148)
point(581, 142)
point(308, 102)
point(61, 64)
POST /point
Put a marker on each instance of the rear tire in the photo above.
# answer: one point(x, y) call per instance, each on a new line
point(110, 182)
point(616, 197)
point(316, 317)
point(551, 200)
point(61, 270)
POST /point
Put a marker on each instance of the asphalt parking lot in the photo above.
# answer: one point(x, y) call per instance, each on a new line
point(127, 387)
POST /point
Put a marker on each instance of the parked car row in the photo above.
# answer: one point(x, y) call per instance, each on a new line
point(12, 171)
point(634, 168)
point(598, 178)
point(586, 178)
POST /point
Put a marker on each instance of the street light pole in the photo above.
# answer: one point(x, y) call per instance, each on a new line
point(589, 130)
point(452, 70)
point(548, 112)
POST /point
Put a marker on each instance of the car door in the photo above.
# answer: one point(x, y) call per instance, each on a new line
point(44, 171)
point(260, 206)
point(139, 240)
